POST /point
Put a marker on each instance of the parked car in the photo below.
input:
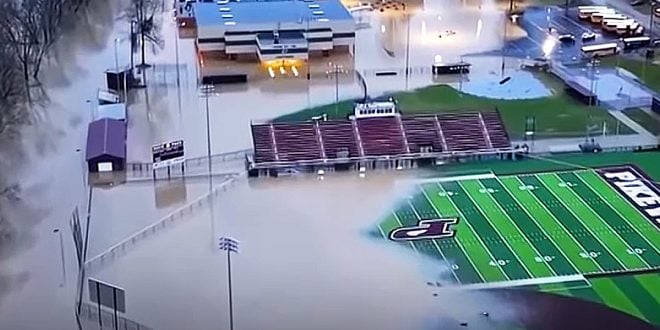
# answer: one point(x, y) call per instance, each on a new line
point(588, 36)
point(566, 39)
point(637, 2)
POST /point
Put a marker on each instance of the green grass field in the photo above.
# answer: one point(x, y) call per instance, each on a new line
point(647, 72)
point(650, 123)
point(552, 231)
point(556, 116)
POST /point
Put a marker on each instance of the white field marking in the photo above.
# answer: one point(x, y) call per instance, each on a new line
point(570, 210)
point(522, 207)
point(561, 225)
point(474, 232)
point(618, 213)
point(455, 178)
point(607, 224)
point(527, 281)
point(515, 255)
point(538, 253)
point(460, 246)
point(401, 224)
point(436, 245)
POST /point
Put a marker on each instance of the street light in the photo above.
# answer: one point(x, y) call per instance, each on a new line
point(230, 245)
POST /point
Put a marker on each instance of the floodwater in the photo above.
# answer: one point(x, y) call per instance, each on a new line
point(521, 85)
point(180, 112)
point(305, 263)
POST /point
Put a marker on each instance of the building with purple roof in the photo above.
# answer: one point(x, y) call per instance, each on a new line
point(106, 145)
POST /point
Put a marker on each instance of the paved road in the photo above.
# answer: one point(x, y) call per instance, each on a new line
point(625, 8)
point(536, 21)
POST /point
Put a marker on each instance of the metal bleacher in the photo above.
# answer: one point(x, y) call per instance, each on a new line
point(322, 142)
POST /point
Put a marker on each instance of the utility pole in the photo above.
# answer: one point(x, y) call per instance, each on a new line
point(231, 246)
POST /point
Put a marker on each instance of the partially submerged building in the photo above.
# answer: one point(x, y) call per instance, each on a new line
point(273, 30)
point(106, 145)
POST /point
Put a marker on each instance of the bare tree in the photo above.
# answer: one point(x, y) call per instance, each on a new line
point(50, 15)
point(30, 28)
point(147, 17)
point(12, 91)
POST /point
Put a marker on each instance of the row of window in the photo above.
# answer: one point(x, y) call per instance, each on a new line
point(374, 111)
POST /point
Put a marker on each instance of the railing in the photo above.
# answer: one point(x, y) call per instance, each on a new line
point(179, 214)
point(418, 155)
point(194, 162)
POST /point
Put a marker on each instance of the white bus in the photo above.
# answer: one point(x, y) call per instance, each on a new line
point(613, 26)
point(587, 12)
point(617, 20)
point(598, 17)
point(601, 50)
point(635, 42)
point(630, 30)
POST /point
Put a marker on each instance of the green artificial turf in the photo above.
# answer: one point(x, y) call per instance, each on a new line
point(647, 161)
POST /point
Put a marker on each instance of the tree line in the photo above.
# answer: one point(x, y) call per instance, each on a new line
point(28, 31)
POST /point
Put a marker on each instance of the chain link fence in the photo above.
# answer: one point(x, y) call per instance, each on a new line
point(182, 213)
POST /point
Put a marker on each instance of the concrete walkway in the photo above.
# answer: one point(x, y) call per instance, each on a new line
point(622, 117)
point(610, 143)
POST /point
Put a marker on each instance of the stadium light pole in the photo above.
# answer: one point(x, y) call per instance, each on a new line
point(231, 246)
point(207, 90)
point(335, 71)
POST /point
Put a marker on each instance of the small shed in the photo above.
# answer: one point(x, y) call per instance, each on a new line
point(112, 111)
point(106, 145)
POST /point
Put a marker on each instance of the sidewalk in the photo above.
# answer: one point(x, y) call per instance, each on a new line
point(610, 143)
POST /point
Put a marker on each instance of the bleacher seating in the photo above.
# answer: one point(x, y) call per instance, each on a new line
point(463, 132)
point(296, 142)
point(264, 150)
point(337, 136)
point(498, 135)
point(380, 136)
point(422, 131)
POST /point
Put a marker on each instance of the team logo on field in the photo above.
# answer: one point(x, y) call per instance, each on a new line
point(637, 188)
point(426, 229)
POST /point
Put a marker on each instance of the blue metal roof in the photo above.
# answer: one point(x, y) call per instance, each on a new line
point(260, 11)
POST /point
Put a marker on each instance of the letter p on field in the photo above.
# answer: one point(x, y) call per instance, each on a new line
point(625, 176)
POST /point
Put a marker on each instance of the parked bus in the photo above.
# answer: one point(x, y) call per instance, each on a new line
point(616, 21)
point(601, 50)
point(613, 25)
point(635, 42)
point(586, 13)
point(598, 17)
point(630, 31)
